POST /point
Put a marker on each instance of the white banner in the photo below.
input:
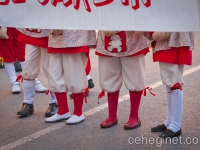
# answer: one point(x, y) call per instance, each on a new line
point(148, 15)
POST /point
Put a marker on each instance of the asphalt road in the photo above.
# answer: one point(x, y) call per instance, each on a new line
point(32, 133)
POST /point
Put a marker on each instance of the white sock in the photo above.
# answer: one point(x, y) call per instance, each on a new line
point(88, 77)
point(52, 98)
point(177, 106)
point(10, 70)
point(169, 107)
point(29, 91)
point(22, 64)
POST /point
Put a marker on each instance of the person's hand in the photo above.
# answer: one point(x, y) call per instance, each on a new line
point(159, 36)
point(92, 46)
point(57, 32)
point(109, 33)
point(3, 33)
point(140, 32)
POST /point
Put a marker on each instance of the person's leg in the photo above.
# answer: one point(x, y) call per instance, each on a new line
point(90, 82)
point(53, 107)
point(19, 50)
point(29, 92)
point(133, 72)
point(18, 67)
point(30, 73)
point(172, 76)
point(110, 79)
point(57, 85)
point(177, 107)
point(63, 112)
point(87, 71)
point(76, 83)
point(10, 70)
point(6, 51)
point(112, 110)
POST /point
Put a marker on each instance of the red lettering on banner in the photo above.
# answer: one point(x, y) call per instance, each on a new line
point(6, 2)
point(125, 2)
point(19, 1)
point(77, 5)
point(68, 3)
point(55, 2)
point(43, 2)
point(147, 3)
point(102, 2)
point(136, 3)
point(65, 3)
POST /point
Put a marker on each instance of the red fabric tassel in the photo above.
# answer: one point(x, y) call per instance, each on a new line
point(149, 89)
point(102, 94)
point(176, 86)
point(47, 92)
point(19, 78)
point(86, 94)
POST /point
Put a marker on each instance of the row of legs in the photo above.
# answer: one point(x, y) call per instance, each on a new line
point(170, 127)
point(10, 70)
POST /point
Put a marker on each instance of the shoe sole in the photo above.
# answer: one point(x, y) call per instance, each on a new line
point(57, 120)
point(108, 126)
point(49, 115)
point(40, 91)
point(75, 123)
point(128, 128)
point(91, 87)
point(158, 130)
point(25, 114)
point(18, 92)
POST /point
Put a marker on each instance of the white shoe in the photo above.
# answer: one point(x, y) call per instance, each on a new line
point(74, 119)
point(16, 88)
point(40, 88)
point(58, 117)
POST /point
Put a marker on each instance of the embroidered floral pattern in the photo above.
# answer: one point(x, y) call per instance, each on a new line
point(135, 43)
point(177, 39)
point(43, 33)
point(72, 38)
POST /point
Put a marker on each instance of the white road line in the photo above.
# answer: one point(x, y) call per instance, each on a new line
point(88, 113)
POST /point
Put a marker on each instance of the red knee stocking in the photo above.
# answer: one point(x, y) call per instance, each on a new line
point(112, 106)
point(78, 103)
point(135, 97)
point(62, 103)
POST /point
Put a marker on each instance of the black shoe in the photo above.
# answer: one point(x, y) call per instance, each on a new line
point(18, 67)
point(168, 133)
point(51, 110)
point(90, 84)
point(27, 109)
point(159, 128)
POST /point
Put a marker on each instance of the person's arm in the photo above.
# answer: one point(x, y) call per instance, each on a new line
point(3, 33)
